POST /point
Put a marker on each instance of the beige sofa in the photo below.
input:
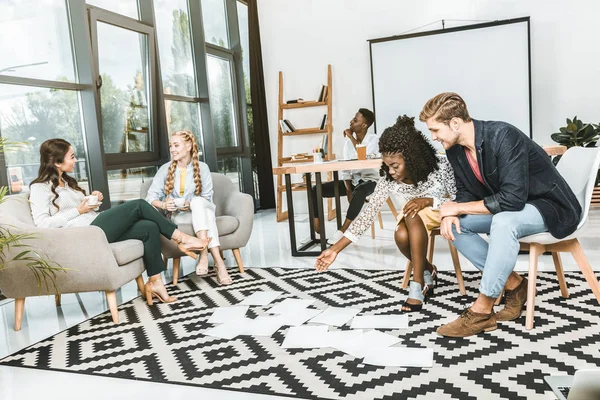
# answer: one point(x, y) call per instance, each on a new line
point(93, 264)
point(235, 216)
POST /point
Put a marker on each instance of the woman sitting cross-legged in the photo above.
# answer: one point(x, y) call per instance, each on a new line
point(187, 180)
point(412, 170)
point(57, 201)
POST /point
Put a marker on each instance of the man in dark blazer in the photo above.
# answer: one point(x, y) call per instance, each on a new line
point(508, 188)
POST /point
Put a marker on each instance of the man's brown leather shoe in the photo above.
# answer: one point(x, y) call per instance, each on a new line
point(469, 323)
point(513, 302)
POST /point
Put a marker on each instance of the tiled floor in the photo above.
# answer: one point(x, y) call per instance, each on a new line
point(269, 246)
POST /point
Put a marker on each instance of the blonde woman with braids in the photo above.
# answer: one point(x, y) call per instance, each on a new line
point(188, 178)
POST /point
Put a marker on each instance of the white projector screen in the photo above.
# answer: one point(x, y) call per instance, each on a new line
point(487, 64)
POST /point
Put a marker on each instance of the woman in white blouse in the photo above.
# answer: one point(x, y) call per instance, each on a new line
point(57, 201)
point(412, 170)
point(186, 178)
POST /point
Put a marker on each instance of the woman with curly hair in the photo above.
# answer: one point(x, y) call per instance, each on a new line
point(186, 177)
point(412, 170)
point(57, 201)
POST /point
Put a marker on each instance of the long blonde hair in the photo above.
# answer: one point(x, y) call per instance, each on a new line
point(188, 137)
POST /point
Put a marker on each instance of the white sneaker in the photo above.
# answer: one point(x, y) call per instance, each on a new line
point(335, 238)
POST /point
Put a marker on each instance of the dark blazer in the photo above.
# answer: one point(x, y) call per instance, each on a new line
point(516, 171)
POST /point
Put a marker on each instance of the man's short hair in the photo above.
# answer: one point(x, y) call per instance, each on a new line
point(444, 107)
point(367, 115)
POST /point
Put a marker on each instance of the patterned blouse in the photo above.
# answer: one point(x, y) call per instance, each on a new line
point(440, 186)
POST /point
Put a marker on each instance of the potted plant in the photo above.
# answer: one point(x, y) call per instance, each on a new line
point(577, 133)
point(44, 270)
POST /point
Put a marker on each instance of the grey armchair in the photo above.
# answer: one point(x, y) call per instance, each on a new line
point(93, 263)
point(235, 216)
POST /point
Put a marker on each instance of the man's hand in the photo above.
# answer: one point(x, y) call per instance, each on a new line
point(326, 258)
point(449, 208)
point(446, 227)
point(413, 207)
point(347, 133)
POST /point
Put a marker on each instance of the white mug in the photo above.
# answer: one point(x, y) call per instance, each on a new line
point(318, 157)
point(179, 202)
point(92, 200)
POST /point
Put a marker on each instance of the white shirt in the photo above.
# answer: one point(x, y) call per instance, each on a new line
point(157, 189)
point(46, 215)
point(372, 142)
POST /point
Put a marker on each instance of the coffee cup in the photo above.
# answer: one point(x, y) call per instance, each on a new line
point(179, 202)
point(92, 200)
point(361, 151)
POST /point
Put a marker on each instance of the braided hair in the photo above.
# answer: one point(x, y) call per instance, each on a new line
point(404, 139)
point(188, 137)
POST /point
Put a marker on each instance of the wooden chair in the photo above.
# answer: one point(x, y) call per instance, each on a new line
point(430, 247)
point(575, 161)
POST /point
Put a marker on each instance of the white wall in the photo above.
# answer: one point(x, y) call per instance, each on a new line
point(300, 37)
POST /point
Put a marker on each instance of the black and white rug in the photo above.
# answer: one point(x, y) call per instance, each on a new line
point(164, 343)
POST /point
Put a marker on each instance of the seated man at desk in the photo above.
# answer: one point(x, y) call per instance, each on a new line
point(356, 184)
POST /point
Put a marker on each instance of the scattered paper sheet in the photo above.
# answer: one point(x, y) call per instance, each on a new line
point(306, 337)
point(338, 339)
point(265, 325)
point(400, 357)
point(226, 314)
point(290, 306)
point(299, 317)
point(380, 322)
point(335, 316)
point(228, 330)
point(365, 344)
point(262, 298)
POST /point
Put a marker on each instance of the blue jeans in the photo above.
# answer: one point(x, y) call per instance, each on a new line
point(497, 258)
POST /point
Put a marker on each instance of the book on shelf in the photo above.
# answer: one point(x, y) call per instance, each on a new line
point(283, 126)
point(294, 101)
point(289, 125)
point(324, 140)
point(322, 93)
point(326, 93)
point(323, 122)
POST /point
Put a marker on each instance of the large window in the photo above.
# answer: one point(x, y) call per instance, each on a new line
point(85, 71)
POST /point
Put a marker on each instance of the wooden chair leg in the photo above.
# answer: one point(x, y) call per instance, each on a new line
point(238, 260)
point(19, 307)
point(430, 247)
point(560, 274)
point(380, 220)
point(586, 268)
point(392, 208)
point(140, 284)
point(176, 263)
point(57, 300)
point(457, 269)
point(499, 299)
point(111, 298)
point(535, 250)
point(407, 273)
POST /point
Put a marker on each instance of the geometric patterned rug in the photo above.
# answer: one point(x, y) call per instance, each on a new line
point(164, 343)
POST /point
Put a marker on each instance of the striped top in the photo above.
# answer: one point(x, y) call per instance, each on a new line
point(46, 215)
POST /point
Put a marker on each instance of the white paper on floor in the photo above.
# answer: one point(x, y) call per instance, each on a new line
point(335, 316)
point(299, 317)
point(400, 357)
point(306, 337)
point(264, 325)
point(229, 330)
point(262, 298)
point(380, 322)
point(364, 344)
point(339, 339)
point(290, 306)
point(226, 314)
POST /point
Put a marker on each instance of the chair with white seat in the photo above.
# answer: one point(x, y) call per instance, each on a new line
point(575, 160)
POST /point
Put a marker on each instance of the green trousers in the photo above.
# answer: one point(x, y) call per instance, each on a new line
point(137, 219)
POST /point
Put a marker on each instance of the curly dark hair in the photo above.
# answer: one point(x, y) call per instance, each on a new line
point(403, 138)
